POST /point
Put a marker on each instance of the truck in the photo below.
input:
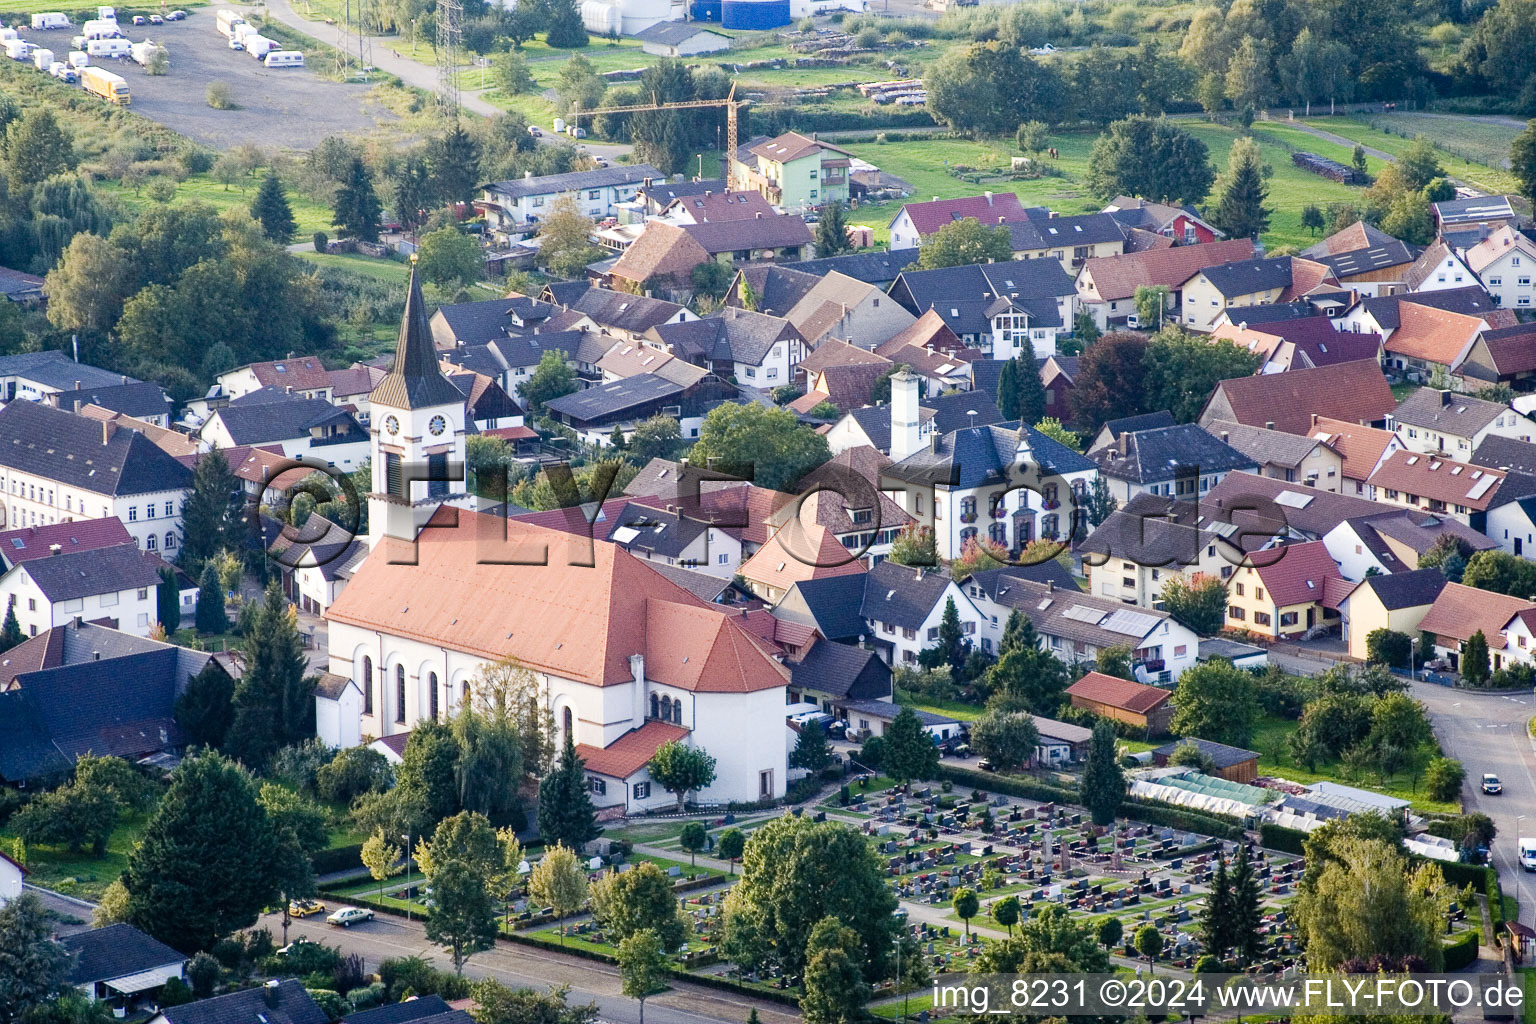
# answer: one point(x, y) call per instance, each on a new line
point(110, 87)
point(1528, 853)
point(50, 20)
point(143, 53)
point(42, 59)
point(104, 48)
point(259, 46)
point(227, 22)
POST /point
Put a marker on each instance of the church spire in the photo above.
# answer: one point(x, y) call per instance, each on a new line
point(416, 382)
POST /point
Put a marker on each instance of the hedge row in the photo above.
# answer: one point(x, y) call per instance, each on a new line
point(341, 858)
point(1277, 837)
point(1458, 874)
point(1155, 812)
point(1028, 789)
point(1495, 894)
point(1461, 950)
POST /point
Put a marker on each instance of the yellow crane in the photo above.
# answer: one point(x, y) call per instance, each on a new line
point(730, 103)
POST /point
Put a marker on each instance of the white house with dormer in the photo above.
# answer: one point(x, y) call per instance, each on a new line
point(1506, 262)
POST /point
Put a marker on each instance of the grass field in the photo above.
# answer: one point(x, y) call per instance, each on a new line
point(1269, 739)
point(81, 874)
point(81, 12)
point(1478, 139)
point(308, 215)
point(1456, 133)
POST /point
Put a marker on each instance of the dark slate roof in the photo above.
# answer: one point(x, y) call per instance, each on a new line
point(655, 530)
point(474, 323)
point(249, 1006)
point(834, 603)
point(53, 369)
point(1152, 530)
point(980, 455)
point(271, 414)
point(886, 711)
point(1448, 411)
point(1473, 209)
point(1223, 755)
point(700, 584)
point(1272, 313)
point(1144, 421)
point(762, 233)
point(1471, 301)
point(627, 312)
point(401, 1013)
point(476, 359)
point(61, 446)
point(1505, 453)
point(1406, 589)
point(116, 951)
point(962, 295)
point(565, 293)
point(1248, 276)
point(141, 400)
point(1160, 454)
point(671, 32)
point(1049, 571)
point(68, 577)
point(778, 286)
point(1364, 261)
point(902, 595)
point(840, 670)
point(415, 381)
point(953, 411)
point(492, 403)
point(869, 267)
point(663, 192)
point(575, 181)
point(615, 397)
point(986, 374)
point(732, 334)
point(530, 348)
point(1045, 232)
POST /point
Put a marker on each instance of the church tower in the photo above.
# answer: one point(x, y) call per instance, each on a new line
point(418, 429)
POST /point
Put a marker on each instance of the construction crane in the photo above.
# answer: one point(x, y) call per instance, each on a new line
point(730, 103)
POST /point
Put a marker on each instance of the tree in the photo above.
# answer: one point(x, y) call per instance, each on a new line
point(1033, 137)
point(1108, 931)
point(381, 858)
point(1103, 787)
point(1246, 908)
point(1050, 940)
point(1021, 393)
point(211, 618)
point(1182, 370)
point(1006, 912)
point(565, 234)
point(770, 447)
point(168, 600)
point(1522, 160)
point(1443, 777)
point(693, 838)
point(796, 872)
point(812, 752)
point(271, 210)
point(300, 830)
point(204, 865)
point(655, 438)
point(579, 85)
point(1419, 164)
point(463, 915)
point(914, 545)
point(449, 258)
point(566, 815)
point(558, 881)
point(1217, 702)
point(34, 966)
point(681, 769)
point(74, 815)
point(1474, 660)
point(511, 73)
point(730, 844)
point(1216, 922)
point(1198, 602)
point(566, 31)
point(210, 513)
point(1241, 191)
point(951, 646)
point(1152, 158)
point(205, 708)
point(428, 771)
point(1149, 943)
point(1248, 82)
point(1498, 571)
point(642, 967)
point(1388, 647)
point(551, 379)
point(832, 232)
point(1110, 380)
point(273, 701)
point(834, 988)
point(454, 158)
point(1312, 219)
point(1410, 219)
point(1031, 678)
point(10, 630)
point(638, 900)
point(966, 906)
point(990, 88)
point(961, 243)
point(1364, 900)
point(356, 208)
point(910, 753)
point(495, 1003)
point(1007, 740)
point(36, 148)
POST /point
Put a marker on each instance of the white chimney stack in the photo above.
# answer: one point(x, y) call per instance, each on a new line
point(904, 432)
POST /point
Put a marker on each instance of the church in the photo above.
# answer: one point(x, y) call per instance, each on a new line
point(625, 659)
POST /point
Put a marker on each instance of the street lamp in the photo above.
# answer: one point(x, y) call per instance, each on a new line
point(407, 837)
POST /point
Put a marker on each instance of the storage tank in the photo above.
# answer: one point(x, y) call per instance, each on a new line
point(754, 15)
point(638, 15)
point(706, 10)
point(600, 17)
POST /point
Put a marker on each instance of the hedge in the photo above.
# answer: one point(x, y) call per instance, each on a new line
point(1458, 874)
point(1277, 837)
point(340, 858)
point(1461, 950)
point(1169, 816)
point(1495, 894)
point(1028, 789)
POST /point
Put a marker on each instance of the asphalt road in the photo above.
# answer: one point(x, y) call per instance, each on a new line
point(388, 936)
point(1487, 733)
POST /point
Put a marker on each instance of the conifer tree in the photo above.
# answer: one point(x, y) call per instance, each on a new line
point(1247, 908)
point(210, 514)
point(270, 208)
point(1216, 919)
point(565, 805)
point(357, 210)
point(10, 631)
point(1240, 209)
point(211, 617)
point(273, 702)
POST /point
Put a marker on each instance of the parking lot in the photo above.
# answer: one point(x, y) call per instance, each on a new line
point(283, 108)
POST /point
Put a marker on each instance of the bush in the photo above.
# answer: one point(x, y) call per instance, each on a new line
point(1025, 787)
point(298, 764)
point(307, 957)
point(352, 773)
point(220, 95)
point(1443, 778)
point(330, 1001)
point(197, 161)
point(321, 241)
point(1286, 840)
point(340, 858)
point(229, 953)
point(1388, 647)
point(1461, 950)
point(420, 977)
point(11, 801)
point(1458, 874)
point(1169, 816)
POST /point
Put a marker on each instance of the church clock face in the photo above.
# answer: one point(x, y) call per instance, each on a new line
point(391, 425)
point(437, 425)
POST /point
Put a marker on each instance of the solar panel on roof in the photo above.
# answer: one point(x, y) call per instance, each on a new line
point(1130, 623)
point(1293, 499)
point(1083, 613)
point(1481, 487)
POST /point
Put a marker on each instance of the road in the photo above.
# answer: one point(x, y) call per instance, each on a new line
point(1487, 733)
point(524, 966)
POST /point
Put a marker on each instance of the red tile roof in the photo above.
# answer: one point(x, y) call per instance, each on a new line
point(1460, 611)
point(31, 542)
point(1119, 693)
point(800, 552)
point(1118, 277)
point(1361, 447)
point(1356, 392)
point(1299, 575)
point(630, 752)
point(1438, 479)
point(1434, 335)
point(511, 433)
point(302, 373)
point(994, 208)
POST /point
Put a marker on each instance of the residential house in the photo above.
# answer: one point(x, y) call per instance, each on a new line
point(928, 331)
point(114, 586)
point(144, 401)
point(1506, 453)
point(770, 288)
point(304, 376)
point(850, 310)
point(1138, 705)
point(24, 290)
point(1454, 425)
point(1501, 355)
point(512, 209)
point(792, 171)
point(1504, 261)
point(511, 361)
point(1180, 223)
point(868, 718)
point(310, 427)
point(1214, 290)
point(1380, 315)
point(1286, 592)
point(1132, 554)
point(173, 442)
point(1183, 461)
point(622, 315)
point(1430, 342)
point(1376, 268)
point(1354, 392)
point(1071, 241)
point(871, 425)
point(961, 482)
point(1459, 612)
point(843, 497)
point(119, 962)
point(681, 39)
point(1457, 489)
point(1060, 743)
point(34, 376)
point(672, 536)
point(32, 542)
point(1109, 433)
point(1106, 286)
point(661, 259)
point(916, 221)
point(352, 388)
point(1361, 449)
point(487, 405)
point(877, 267)
point(59, 467)
point(1231, 763)
point(717, 206)
point(1394, 540)
point(1398, 602)
point(999, 307)
point(804, 551)
point(833, 674)
point(316, 562)
point(903, 606)
point(759, 351)
point(665, 255)
point(83, 689)
point(659, 194)
point(462, 324)
point(273, 1002)
point(1059, 375)
point(841, 373)
point(623, 404)
point(1438, 268)
point(830, 604)
point(1295, 458)
point(1463, 221)
point(1299, 344)
point(938, 372)
point(415, 1008)
point(12, 876)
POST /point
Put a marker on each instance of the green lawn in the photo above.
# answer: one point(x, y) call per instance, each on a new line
point(1528, 1012)
point(80, 874)
point(388, 271)
point(1457, 134)
point(1269, 739)
point(79, 13)
point(308, 215)
point(953, 708)
point(913, 1004)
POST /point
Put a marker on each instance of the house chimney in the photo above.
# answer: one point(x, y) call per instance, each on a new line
point(1445, 399)
point(1269, 424)
point(77, 385)
point(269, 992)
point(76, 622)
point(1224, 436)
point(1123, 443)
point(527, 175)
point(287, 389)
point(1050, 586)
point(95, 655)
point(55, 549)
point(125, 378)
point(935, 198)
point(758, 215)
point(935, 439)
point(904, 415)
point(108, 428)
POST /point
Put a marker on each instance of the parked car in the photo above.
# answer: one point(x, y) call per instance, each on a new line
point(138, 19)
point(348, 916)
point(986, 765)
point(176, 16)
point(155, 19)
point(534, 131)
point(1491, 784)
point(305, 908)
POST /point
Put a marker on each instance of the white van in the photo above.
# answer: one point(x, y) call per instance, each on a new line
point(1528, 853)
point(7, 34)
point(79, 59)
point(108, 47)
point(50, 20)
point(284, 59)
point(42, 59)
point(106, 13)
point(259, 46)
